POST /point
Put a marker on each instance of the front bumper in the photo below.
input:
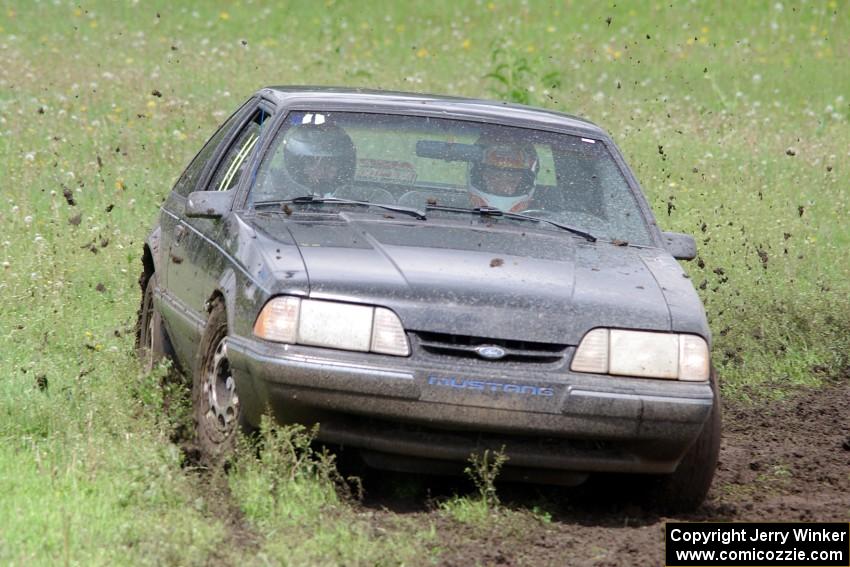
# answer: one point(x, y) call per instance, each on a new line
point(391, 406)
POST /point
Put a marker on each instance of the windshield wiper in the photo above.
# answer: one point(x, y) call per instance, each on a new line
point(494, 212)
point(314, 199)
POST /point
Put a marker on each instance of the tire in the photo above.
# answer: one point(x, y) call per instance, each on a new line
point(216, 411)
point(686, 488)
point(152, 344)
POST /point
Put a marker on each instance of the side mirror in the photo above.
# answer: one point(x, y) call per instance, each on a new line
point(208, 204)
point(681, 246)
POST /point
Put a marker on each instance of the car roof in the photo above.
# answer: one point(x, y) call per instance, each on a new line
point(450, 106)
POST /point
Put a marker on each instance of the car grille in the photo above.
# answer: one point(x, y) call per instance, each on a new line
point(464, 346)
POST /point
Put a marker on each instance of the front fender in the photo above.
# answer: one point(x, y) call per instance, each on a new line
point(226, 289)
point(152, 243)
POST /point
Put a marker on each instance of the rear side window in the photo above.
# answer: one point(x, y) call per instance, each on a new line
point(235, 161)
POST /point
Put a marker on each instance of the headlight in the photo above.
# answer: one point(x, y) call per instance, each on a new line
point(642, 353)
point(333, 325)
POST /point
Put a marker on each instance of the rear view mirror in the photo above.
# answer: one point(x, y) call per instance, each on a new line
point(209, 204)
point(681, 246)
point(448, 151)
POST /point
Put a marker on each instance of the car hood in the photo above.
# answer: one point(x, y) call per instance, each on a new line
point(483, 278)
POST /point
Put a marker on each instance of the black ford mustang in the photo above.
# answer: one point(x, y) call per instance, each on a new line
point(427, 277)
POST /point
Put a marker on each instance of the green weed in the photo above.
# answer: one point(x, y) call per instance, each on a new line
point(517, 78)
point(735, 122)
point(483, 470)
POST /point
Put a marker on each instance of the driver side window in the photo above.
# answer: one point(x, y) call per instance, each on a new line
point(235, 161)
point(191, 176)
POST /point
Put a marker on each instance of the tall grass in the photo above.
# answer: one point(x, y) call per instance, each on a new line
point(735, 119)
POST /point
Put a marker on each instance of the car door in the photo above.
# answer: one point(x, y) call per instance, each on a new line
point(195, 262)
point(175, 202)
point(175, 318)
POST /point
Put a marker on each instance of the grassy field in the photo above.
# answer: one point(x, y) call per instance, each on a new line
point(734, 116)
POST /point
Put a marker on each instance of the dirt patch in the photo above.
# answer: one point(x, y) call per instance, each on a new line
point(787, 461)
point(782, 461)
point(239, 539)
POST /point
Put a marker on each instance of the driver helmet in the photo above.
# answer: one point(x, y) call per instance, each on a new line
point(504, 176)
point(319, 156)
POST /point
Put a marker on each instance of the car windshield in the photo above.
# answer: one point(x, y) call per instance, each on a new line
point(417, 161)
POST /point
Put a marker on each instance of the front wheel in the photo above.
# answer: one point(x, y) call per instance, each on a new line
point(686, 488)
point(215, 404)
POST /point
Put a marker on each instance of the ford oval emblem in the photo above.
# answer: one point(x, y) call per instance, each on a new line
point(491, 352)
